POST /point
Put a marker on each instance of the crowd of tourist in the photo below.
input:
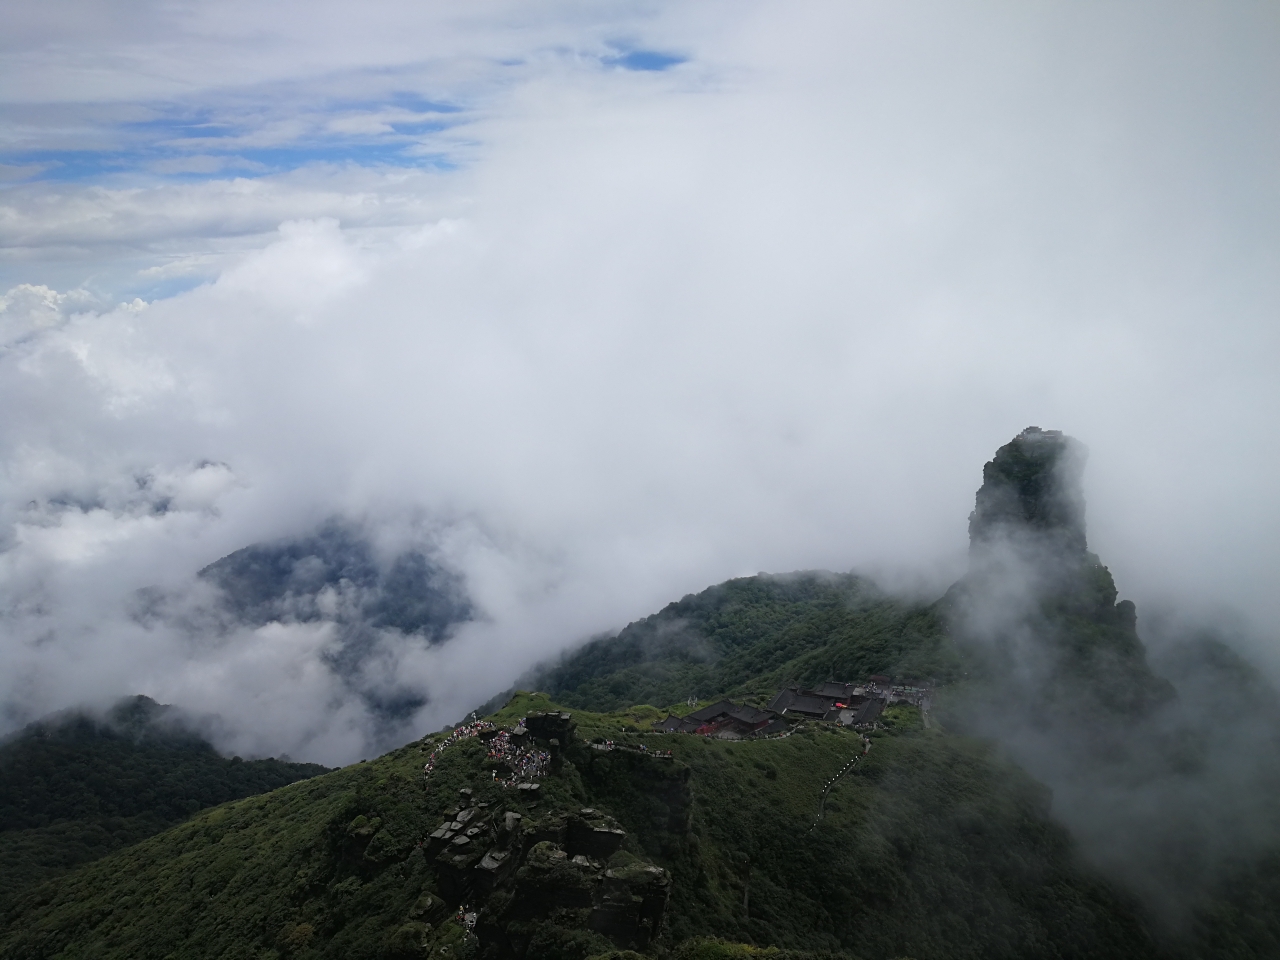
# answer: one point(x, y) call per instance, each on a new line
point(525, 762)
point(463, 731)
point(466, 917)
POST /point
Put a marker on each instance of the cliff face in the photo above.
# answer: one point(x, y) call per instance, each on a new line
point(1167, 792)
point(1032, 489)
point(1041, 606)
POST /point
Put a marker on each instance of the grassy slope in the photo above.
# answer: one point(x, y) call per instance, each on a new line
point(931, 848)
point(748, 636)
point(228, 881)
point(75, 789)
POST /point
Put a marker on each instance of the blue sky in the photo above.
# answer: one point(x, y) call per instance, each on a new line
point(138, 120)
point(256, 132)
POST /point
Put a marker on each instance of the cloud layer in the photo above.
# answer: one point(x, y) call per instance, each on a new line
point(769, 308)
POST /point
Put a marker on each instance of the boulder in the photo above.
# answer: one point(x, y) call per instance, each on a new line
point(551, 726)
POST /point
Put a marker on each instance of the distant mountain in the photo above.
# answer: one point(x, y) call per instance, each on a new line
point(335, 575)
point(284, 580)
point(75, 787)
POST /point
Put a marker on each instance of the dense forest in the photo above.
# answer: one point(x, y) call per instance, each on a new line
point(76, 787)
point(931, 846)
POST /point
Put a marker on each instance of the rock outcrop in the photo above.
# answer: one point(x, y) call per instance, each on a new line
point(1032, 490)
point(1036, 600)
point(512, 871)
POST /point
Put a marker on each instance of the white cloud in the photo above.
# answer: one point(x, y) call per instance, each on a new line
point(29, 308)
point(771, 310)
point(20, 171)
point(206, 164)
point(123, 241)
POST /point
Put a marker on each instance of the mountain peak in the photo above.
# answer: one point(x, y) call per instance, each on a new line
point(1036, 595)
point(1032, 489)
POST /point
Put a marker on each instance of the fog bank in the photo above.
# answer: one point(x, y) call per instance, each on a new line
point(766, 308)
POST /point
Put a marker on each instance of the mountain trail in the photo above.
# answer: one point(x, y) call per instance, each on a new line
point(826, 789)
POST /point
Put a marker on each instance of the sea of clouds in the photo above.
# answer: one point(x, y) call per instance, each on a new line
point(599, 304)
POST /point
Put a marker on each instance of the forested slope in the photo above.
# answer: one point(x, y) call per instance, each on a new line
point(929, 847)
point(749, 636)
point(75, 787)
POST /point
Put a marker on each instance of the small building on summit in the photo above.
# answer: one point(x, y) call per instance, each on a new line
point(861, 711)
point(842, 703)
point(805, 704)
point(833, 689)
point(725, 719)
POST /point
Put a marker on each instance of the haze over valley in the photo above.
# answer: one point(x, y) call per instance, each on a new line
point(371, 368)
point(595, 309)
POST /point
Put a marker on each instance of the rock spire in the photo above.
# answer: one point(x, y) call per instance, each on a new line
point(1031, 493)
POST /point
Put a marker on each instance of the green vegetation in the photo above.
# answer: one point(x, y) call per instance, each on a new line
point(712, 948)
point(822, 844)
point(747, 637)
point(74, 788)
point(931, 847)
point(928, 837)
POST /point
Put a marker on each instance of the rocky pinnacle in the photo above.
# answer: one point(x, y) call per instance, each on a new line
point(1031, 490)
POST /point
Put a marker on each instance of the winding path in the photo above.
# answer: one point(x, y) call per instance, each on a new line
point(822, 799)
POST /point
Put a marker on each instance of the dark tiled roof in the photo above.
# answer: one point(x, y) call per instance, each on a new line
point(803, 703)
point(783, 700)
point(707, 714)
point(826, 702)
point(723, 713)
point(750, 715)
point(809, 706)
point(831, 688)
point(868, 711)
point(674, 724)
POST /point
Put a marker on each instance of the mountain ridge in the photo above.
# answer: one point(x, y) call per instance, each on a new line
point(76, 786)
point(952, 841)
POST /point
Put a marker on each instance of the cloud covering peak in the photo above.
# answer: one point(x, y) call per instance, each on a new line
point(639, 330)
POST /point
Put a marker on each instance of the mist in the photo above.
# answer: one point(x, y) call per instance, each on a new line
point(630, 332)
point(1159, 740)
